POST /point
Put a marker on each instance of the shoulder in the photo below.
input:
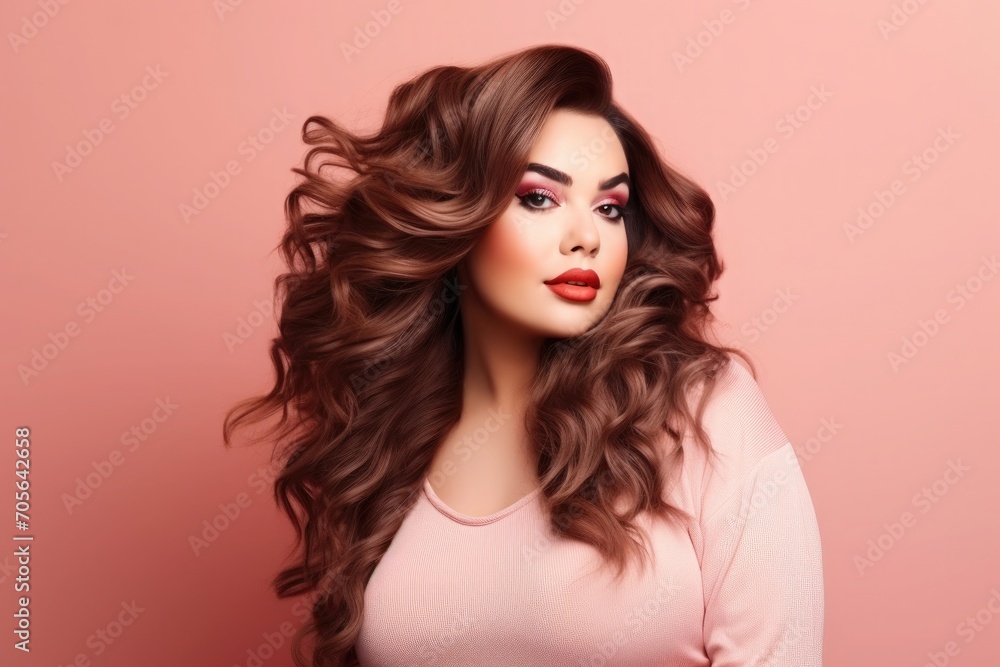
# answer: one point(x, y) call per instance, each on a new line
point(739, 417)
point(742, 431)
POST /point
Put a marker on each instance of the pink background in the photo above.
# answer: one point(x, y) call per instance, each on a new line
point(871, 436)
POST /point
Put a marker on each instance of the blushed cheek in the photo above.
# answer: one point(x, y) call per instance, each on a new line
point(503, 254)
point(622, 255)
point(619, 251)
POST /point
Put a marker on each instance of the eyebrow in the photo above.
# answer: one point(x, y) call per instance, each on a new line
point(567, 180)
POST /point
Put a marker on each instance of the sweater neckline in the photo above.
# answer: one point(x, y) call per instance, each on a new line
point(465, 519)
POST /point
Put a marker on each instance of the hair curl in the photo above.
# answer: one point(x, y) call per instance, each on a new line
point(368, 357)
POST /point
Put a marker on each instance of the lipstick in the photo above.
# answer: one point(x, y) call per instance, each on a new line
point(586, 290)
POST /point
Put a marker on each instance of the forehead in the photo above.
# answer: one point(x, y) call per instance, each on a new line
point(579, 143)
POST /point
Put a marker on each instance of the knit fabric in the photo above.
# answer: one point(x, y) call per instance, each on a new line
point(739, 585)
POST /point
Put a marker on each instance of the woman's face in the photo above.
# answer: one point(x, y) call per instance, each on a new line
point(566, 214)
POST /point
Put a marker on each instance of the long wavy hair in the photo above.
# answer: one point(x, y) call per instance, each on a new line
point(369, 353)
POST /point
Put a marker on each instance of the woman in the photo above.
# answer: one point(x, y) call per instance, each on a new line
point(512, 443)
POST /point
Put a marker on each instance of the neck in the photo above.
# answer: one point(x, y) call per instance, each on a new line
point(500, 360)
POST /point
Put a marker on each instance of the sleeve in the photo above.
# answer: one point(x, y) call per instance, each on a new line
point(761, 557)
point(762, 571)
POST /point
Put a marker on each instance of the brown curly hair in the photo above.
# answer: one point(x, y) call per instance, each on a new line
point(368, 358)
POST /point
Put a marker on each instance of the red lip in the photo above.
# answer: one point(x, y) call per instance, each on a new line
point(585, 276)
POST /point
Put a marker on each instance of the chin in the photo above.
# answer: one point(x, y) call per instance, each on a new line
point(572, 328)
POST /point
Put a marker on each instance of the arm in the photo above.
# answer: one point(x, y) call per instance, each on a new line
point(762, 570)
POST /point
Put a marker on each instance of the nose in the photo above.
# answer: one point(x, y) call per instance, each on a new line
point(582, 233)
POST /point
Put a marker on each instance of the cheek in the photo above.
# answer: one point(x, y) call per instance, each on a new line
point(617, 249)
point(503, 252)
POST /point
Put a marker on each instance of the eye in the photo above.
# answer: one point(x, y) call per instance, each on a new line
point(619, 208)
point(528, 200)
point(620, 211)
point(533, 199)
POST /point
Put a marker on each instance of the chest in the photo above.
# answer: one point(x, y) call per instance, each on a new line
point(512, 593)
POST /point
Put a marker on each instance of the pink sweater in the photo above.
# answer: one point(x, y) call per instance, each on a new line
point(740, 585)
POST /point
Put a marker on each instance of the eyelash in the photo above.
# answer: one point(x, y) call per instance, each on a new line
point(622, 210)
